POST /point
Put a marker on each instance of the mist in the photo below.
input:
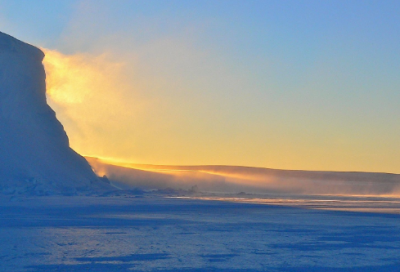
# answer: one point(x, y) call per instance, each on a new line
point(176, 87)
point(236, 179)
point(95, 102)
point(110, 113)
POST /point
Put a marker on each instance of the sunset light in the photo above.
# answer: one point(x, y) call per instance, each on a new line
point(208, 135)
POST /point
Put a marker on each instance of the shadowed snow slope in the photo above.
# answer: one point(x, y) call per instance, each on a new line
point(34, 147)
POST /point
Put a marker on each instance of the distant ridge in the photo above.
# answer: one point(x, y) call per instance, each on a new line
point(251, 178)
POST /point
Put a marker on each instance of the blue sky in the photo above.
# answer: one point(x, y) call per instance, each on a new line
point(282, 84)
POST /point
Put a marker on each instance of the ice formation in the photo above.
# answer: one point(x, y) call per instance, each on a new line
point(34, 148)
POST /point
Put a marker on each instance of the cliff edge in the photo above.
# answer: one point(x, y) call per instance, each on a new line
point(34, 148)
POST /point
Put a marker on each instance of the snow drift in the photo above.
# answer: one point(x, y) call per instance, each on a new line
point(34, 148)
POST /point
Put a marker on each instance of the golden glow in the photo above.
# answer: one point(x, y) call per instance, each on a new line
point(125, 111)
point(255, 180)
point(192, 171)
point(91, 97)
point(76, 78)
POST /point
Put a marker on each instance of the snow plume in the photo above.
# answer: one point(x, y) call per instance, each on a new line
point(141, 177)
point(231, 179)
point(92, 99)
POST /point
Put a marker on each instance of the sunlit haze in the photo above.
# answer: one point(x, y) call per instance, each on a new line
point(310, 85)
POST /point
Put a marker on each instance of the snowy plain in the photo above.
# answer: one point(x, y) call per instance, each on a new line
point(154, 232)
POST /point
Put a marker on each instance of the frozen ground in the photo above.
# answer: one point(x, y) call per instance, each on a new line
point(153, 233)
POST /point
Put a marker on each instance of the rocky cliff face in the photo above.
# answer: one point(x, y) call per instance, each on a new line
point(34, 148)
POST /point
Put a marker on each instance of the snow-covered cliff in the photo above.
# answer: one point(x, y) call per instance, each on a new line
point(34, 148)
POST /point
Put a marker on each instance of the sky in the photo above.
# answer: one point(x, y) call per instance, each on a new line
point(309, 85)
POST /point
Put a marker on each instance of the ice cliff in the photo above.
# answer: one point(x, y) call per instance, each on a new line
point(34, 148)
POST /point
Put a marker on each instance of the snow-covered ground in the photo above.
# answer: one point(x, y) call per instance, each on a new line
point(155, 233)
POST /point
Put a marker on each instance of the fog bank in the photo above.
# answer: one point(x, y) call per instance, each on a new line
point(231, 179)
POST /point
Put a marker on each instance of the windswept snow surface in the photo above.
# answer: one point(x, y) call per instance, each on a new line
point(153, 233)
